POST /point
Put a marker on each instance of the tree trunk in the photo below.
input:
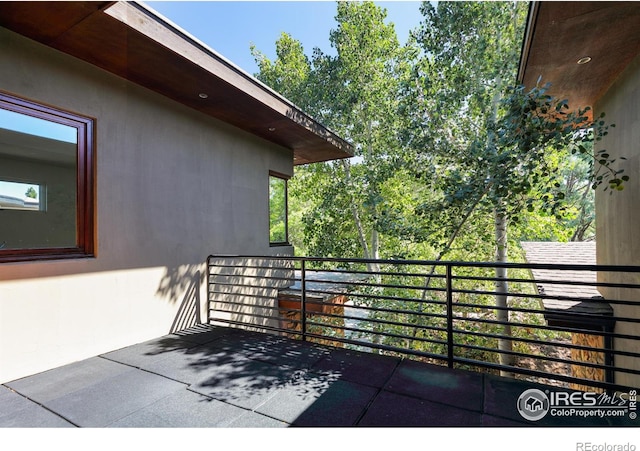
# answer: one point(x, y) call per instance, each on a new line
point(502, 288)
point(367, 252)
point(505, 344)
point(375, 242)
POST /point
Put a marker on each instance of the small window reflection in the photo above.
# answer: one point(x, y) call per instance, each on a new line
point(21, 196)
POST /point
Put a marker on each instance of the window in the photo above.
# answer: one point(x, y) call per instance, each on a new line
point(278, 227)
point(46, 182)
point(21, 196)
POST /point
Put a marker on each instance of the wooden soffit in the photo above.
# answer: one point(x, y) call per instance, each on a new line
point(132, 41)
point(559, 34)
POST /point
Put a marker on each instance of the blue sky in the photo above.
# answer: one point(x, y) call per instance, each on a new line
point(230, 27)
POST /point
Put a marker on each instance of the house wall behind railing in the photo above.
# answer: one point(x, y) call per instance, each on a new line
point(618, 214)
point(244, 291)
point(172, 187)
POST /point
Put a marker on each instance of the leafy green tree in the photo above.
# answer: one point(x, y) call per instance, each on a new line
point(354, 91)
point(31, 193)
point(289, 73)
point(488, 148)
point(450, 155)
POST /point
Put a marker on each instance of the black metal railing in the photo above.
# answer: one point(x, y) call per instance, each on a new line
point(558, 331)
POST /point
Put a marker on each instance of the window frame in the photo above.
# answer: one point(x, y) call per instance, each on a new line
point(285, 178)
point(85, 180)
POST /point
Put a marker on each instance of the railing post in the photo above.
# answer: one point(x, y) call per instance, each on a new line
point(449, 316)
point(303, 301)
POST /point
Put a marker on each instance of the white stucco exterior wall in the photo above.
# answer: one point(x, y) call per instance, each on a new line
point(618, 215)
point(173, 186)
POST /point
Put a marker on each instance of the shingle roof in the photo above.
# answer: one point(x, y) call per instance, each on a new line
point(585, 297)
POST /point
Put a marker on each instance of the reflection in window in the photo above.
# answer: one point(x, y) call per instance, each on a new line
point(277, 210)
point(46, 181)
point(21, 196)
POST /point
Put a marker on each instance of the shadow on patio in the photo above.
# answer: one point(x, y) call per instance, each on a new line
point(222, 377)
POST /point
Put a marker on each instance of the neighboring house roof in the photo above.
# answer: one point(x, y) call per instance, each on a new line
point(559, 34)
point(132, 41)
point(586, 299)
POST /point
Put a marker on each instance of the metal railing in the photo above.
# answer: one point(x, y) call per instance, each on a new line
point(445, 313)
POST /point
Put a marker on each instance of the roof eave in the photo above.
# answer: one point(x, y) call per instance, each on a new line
point(128, 38)
point(559, 34)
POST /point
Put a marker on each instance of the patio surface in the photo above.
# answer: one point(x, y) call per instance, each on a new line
point(222, 377)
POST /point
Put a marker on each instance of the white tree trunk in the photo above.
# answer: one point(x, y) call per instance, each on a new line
point(367, 252)
point(502, 288)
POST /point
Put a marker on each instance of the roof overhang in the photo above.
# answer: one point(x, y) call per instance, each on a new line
point(559, 34)
point(569, 294)
point(132, 41)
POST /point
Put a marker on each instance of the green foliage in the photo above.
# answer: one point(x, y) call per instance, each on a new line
point(448, 154)
point(31, 193)
point(289, 73)
point(354, 92)
point(277, 210)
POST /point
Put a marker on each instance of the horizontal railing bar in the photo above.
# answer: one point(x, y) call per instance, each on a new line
point(381, 310)
point(554, 359)
point(385, 322)
point(379, 273)
point(237, 295)
point(548, 281)
point(541, 374)
point(382, 347)
point(595, 318)
point(363, 320)
point(250, 276)
point(381, 297)
point(331, 282)
point(255, 326)
point(244, 305)
point(548, 297)
point(371, 284)
point(382, 334)
point(520, 295)
point(519, 354)
point(245, 267)
point(541, 342)
point(248, 315)
point(554, 266)
point(376, 333)
point(556, 313)
point(413, 322)
point(555, 328)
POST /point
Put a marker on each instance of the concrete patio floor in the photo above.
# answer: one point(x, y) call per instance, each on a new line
point(222, 377)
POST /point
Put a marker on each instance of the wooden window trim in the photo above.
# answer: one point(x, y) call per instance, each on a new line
point(85, 181)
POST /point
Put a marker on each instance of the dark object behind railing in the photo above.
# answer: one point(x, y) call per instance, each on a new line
point(440, 312)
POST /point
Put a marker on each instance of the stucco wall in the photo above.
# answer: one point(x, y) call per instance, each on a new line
point(172, 187)
point(618, 215)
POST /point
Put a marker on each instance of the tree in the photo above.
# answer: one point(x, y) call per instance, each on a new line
point(289, 73)
point(490, 149)
point(31, 193)
point(449, 156)
point(354, 92)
